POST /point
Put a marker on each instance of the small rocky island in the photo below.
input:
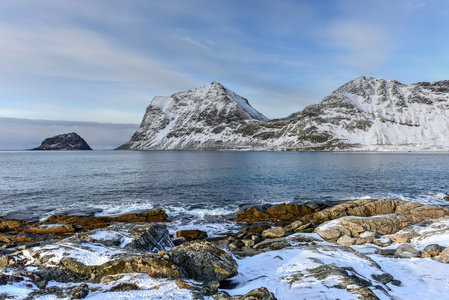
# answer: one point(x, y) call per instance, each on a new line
point(67, 141)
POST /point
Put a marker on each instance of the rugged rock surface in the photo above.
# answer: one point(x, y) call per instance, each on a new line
point(17, 233)
point(136, 260)
point(364, 114)
point(381, 216)
point(415, 212)
point(202, 118)
point(203, 261)
point(67, 141)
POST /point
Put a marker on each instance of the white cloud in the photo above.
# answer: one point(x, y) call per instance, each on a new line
point(80, 55)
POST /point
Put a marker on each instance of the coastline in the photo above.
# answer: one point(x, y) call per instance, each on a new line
point(346, 250)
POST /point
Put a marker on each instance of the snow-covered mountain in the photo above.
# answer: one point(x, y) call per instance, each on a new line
point(202, 118)
point(364, 114)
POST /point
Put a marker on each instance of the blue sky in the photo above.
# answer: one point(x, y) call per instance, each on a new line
point(103, 61)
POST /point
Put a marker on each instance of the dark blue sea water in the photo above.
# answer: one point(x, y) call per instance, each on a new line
point(40, 183)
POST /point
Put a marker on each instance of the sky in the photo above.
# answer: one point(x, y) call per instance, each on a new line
point(102, 62)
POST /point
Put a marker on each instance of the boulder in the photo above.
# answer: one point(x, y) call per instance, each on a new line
point(293, 226)
point(433, 249)
point(257, 294)
point(368, 236)
point(202, 261)
point(354, 226)
point(346, 240)
point(155, 239)
point(444, 256)
point(384, 241)
point(274, 232)
point(80, 292)
point(406, 251)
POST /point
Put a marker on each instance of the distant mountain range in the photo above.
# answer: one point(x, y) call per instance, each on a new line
point(366, 114)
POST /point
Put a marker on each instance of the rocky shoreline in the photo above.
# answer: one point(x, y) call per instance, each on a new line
point(135, 255)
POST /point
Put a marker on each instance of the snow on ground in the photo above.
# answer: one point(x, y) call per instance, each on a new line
point(285, 273)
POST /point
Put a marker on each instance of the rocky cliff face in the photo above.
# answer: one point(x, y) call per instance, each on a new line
point(202, 118)
point(68, 141)
point(364, 114)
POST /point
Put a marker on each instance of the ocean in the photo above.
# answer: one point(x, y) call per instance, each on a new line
point(206, 187)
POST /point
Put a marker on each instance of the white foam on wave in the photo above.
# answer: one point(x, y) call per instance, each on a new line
point(428, 198)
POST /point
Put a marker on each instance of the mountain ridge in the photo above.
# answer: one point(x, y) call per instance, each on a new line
point(365, 114)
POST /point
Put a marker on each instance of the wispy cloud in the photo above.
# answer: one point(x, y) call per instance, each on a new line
point(359, 45)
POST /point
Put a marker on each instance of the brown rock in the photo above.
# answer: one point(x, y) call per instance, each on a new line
point(148, 216)
point(354, 226)
point(293, 226)
point(256, 294)
point(257, 228)
point(75, 220)
point(191, 234)
point(399, 239)
point(275, 232)
point(281, 212)
point(433, 249)
point(7, 224)
point(49, 229)
point(86, 223)
point(414, 211)
point(444, 256)
point(346, 241)
point(425, 254)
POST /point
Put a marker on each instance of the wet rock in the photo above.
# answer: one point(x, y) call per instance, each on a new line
point(179, 241)
point(281, 212)
point(145, 216)
point(154, 240)
point(237, 244)
point(406, 251)
point(86, 223)
point(274, 232)
point(6, 224)
point(202, 261)
point(43, 229)
point(257, 228)
point(191, 234)
point(433, 249)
